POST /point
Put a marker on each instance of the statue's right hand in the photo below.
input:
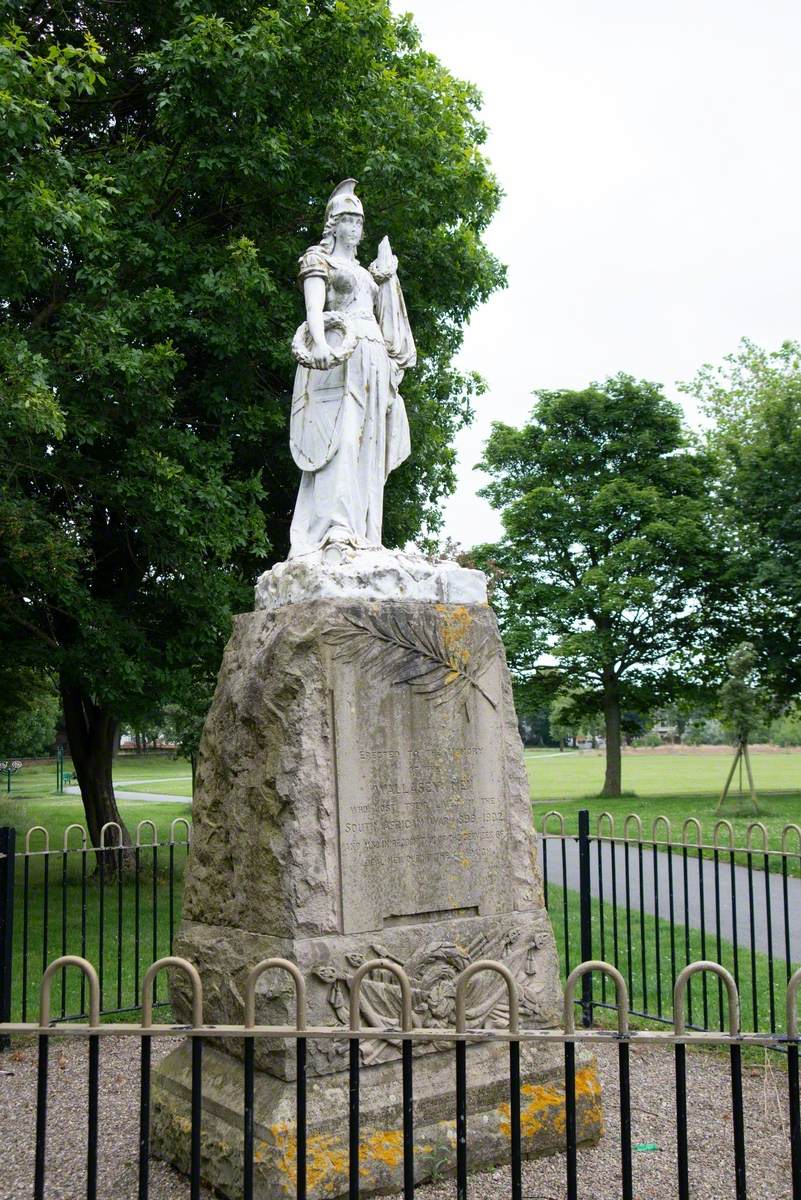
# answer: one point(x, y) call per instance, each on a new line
point(321, 356)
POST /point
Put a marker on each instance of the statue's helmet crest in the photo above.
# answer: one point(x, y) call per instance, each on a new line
point(343, 200)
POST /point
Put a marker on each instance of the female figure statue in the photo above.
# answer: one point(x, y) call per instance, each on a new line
point(348, 427)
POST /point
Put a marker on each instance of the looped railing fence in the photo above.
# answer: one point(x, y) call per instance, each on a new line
point(411, 1035)
point(647, 901)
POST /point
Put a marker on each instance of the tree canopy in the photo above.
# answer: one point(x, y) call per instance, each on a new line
point(165, 165)
point(754, 403)
point(607, 544)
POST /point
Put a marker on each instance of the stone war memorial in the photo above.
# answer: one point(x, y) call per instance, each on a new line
point(362, 795)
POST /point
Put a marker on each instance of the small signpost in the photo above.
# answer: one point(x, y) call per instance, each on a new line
point(10, 766)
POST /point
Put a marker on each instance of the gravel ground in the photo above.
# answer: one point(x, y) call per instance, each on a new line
point(711, 1155)
point(653, 1123)
point(118, 1145)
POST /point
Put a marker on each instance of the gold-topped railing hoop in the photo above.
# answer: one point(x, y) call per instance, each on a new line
point(685, 830)
point(68, 831)
point(723, 824)
point(111, 825)
point(792, 830)
point(668, 830)
point(154, 841)
point(275, 964)
point(559, 818)
point(69, 960)
point(793, 984)
point(464, 977)
point(683, 979)
point(381, 964)
point(187, 827)
point(37, 829)
point(599, 822)
point(179, 964)
point(638, 824)
point(621, 993)
point(749, 837)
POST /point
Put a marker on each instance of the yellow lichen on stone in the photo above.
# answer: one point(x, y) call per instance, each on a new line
point(456, 622)
point(546, 1105)
point(385, 1146)
point(326, 1157)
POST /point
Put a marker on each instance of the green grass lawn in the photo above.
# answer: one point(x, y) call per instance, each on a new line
point(33, 799)
point(56, 813)
point(657, 957)
point(678, 786)
point(70, 909)
point(67, 913)
point(179, 786)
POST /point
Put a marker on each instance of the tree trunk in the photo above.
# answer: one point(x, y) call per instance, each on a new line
point(92, 734)
point(612, 779)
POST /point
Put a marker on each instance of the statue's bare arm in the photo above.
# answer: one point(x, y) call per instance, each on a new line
point(314, 295)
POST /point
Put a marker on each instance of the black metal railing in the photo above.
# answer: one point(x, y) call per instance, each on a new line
point(650, 905)
point(622, 1037)
point(118, 904)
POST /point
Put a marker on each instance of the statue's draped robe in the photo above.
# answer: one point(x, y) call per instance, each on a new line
point(348, 427)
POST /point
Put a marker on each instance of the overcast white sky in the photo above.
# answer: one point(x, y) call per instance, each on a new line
point(650, 157)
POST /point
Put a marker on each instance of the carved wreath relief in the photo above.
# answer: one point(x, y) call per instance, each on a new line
point(433, 969)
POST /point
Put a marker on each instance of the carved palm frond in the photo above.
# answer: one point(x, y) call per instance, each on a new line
point(414, 654)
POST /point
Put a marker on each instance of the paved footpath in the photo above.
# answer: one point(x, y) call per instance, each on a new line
point(156, 797)
point(736, 903)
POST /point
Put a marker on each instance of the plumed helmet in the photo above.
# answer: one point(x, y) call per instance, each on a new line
point(343, 200)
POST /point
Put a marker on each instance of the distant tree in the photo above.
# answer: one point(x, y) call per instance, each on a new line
point(535, 729)
point(563, 718)
point(785, 730)
point(754, 404)
point(164, 165)
point(29, 712)
point(704, 731)
point(607, 545)
point(184, 720)
point(742, 710)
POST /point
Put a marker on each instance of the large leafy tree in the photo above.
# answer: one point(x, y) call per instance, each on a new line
point(164, 166)
point(607, 545)
point(754, 404)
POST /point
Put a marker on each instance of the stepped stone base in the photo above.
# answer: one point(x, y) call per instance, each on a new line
point(432, 955)
point(381, 1138)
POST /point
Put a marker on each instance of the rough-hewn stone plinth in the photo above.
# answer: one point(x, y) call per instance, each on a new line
point(362, 795)
point(381, 1155)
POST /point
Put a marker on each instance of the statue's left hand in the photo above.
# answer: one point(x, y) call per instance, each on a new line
point(385, 265)
point(382, 274)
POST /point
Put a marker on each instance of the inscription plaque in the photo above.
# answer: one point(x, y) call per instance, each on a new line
point(423, 826)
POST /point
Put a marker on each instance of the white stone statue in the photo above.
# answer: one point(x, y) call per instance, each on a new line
point(348, 430)
point(348, 427)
